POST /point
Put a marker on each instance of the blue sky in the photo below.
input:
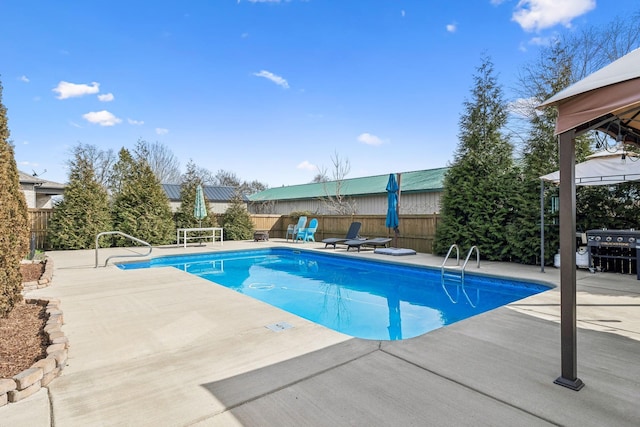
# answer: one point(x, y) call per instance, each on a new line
point(269, 90)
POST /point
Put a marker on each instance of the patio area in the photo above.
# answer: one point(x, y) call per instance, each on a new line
point(161, 347)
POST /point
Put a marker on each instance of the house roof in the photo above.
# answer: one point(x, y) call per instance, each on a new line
point(423, 181)
point(41, 185)
point(211, 193)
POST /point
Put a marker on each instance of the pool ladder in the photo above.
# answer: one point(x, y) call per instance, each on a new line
point(447, 272)
point(105, 233)
point(444, 268)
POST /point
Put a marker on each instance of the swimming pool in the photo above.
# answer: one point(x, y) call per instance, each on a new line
point(358, 297)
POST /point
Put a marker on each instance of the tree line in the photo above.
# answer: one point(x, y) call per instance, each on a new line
point(127, 195)
point(492, 190)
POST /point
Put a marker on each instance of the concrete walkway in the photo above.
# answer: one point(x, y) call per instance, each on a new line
point(160, 347)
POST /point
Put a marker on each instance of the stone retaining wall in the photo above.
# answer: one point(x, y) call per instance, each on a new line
point(41, 373)
point(43, 281)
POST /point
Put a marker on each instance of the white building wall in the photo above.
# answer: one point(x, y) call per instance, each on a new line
point(44, 201)
point(30, 197)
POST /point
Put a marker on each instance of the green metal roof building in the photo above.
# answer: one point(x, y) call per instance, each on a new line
point(420, 194)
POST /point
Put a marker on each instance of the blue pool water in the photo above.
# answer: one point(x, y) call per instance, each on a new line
point(361, 298)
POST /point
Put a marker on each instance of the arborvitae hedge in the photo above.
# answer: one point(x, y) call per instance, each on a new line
point(236, 221)
point(479, 188)
point(84, 211)
point(140, 207)
point(14, 230)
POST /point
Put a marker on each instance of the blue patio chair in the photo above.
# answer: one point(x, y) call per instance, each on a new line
point(307, 234)
point(292, 230)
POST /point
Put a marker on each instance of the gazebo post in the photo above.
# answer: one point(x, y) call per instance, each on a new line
point(569, 377)
point(542, 226)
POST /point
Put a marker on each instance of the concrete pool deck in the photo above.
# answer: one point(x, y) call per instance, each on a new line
point(160, 347)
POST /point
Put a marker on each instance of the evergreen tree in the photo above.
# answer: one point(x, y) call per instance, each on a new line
point(140, 206)
point(551, 74)
point(184, 216)
point(603, 206)
point(236, 221)
point(84, 210)
point(481, 184)
point(540, 156)
point(14, 227)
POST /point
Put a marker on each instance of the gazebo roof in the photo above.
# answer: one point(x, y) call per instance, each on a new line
point(607, 100)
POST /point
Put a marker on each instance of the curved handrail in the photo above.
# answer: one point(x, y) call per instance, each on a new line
point(469, 256)
point(449, 253)
point(104, 233)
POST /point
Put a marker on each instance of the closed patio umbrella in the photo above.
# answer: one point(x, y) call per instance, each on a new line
point(392, 220)
point(200, 207)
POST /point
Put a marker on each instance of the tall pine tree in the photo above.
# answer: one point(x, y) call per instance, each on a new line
point(540, 156)
point(14, 230)
point(140, 206)
point(480, 185)
point(549, 75)
point(84, 210)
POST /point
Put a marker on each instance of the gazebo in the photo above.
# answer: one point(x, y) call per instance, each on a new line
point(607, 101)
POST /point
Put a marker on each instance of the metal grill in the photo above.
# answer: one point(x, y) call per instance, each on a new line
point(614, 250)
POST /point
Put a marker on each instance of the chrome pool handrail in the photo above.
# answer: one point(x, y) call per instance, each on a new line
point(135, 239)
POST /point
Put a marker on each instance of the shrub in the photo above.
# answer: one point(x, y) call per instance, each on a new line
point(236, 221)
point(14, 231)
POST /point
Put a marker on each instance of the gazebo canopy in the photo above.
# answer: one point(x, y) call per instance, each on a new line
point(607, 100)
point(603, 168)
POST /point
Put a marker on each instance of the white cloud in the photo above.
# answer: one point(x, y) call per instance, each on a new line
point(102, 118)
point(403, 13)
point(107, 97)
point(25, 142)
point(135, 122)
point(162, 131)
point(367, 138)
point(306, 165)
point(452, 28)
point(533, 15)
point(28, 163)
point(71, 90)
point(274, 78)
point(523, 107)
point(24, 79)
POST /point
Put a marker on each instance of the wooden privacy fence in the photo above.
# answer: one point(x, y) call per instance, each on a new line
point(417, 232)
point(38, 223)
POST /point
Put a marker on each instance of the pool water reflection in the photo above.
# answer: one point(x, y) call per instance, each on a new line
point(361, 298)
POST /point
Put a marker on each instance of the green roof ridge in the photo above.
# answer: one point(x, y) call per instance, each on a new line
point(429, 180)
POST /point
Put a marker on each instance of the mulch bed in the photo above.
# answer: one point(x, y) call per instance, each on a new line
point(22, 338)
point(31, 271)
